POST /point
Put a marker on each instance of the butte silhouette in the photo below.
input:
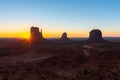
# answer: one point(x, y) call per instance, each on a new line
point(35, 33)
point(36, 36)
point(64, 38)
point(95, 36)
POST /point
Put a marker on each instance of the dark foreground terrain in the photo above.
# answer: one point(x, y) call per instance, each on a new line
point(24, 60)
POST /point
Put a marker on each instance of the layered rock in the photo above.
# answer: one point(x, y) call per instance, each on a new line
point(35, 33)
point(64, 38)
point(96, 36)
point(36, 37)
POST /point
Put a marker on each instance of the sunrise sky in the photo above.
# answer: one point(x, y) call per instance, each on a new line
point(76, 17)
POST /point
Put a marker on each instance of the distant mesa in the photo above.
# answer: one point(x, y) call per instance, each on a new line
point(35, 33)
point(37, 37)
point(64, 38)
point(96, 36)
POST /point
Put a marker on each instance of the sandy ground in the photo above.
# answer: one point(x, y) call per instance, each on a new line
point(33, 56)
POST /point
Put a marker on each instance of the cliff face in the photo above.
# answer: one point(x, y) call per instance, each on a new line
point(35, 33)
point(36, 37)
point(96, 36)
point(64, 36)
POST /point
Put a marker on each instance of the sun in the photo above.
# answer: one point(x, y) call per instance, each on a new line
point(27, 36)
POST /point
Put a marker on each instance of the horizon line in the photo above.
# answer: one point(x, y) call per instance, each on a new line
point(58, 37)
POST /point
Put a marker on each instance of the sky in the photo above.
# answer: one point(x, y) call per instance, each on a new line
point(76, 17)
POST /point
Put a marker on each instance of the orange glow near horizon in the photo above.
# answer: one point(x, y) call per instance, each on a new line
point(48, 35)
point(15, 35)
point(48, 32)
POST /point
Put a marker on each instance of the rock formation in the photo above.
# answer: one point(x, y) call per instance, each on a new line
point(64, 38)
point(96, 36)
point(35, 34)
point(37, 37)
